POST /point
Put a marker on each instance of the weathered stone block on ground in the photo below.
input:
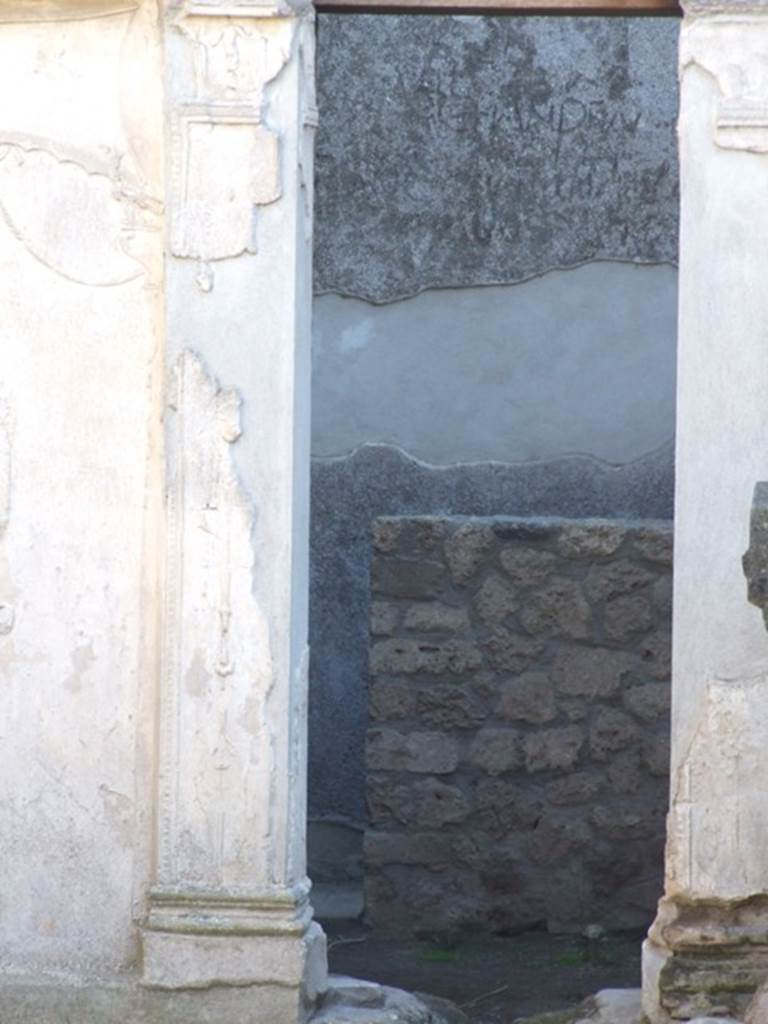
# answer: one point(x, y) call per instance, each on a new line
point(518, 747)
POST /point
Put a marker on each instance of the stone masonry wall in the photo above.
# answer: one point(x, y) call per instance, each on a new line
point(517, 755)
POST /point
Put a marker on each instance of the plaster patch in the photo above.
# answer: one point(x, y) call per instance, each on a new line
point(215, 746)
point(718, 818)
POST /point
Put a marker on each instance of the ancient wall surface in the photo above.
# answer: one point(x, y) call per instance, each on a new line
point(495, 311)
point(518, 751)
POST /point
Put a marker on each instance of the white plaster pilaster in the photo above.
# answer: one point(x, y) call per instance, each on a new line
point(230, 899)
point(719, 814)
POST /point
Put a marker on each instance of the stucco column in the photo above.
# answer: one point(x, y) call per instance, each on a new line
point(708, 947)
point(155, 249)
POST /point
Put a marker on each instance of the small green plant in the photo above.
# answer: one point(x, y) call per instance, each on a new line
point(440, 955)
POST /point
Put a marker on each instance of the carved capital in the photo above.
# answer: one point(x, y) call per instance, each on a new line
point(242, 8)
point(732, 47)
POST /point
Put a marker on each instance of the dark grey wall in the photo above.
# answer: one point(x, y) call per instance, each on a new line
point(462, 152)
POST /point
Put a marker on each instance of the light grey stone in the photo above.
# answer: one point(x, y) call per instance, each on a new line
point(496, 751)
point(590, 539)
point(495, 600)
point(648, 701)
point(654, 544)
point(435, 804)
point(620, 577)
point(529, 697)
point(557, 609)
point(512, 652)
point(391, 700)
point(591, 672)
point(389, 750)
point(611, 730)
point(452, 707)
point(625, 617)
point(553, 749)
point(578, 788)
point(433, 617)
point(527, 566)
point(410, 657)
point(465, 549)
point(384, 618)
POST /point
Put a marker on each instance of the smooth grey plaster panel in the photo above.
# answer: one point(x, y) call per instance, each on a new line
point(465, 150)
point(573, 361)
point(348, 493)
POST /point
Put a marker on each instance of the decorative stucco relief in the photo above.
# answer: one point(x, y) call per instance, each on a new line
point(242, 8)
point(216, 751)
point(101, 235)
point(219, 135)
point(731, 48)
point(63, 10)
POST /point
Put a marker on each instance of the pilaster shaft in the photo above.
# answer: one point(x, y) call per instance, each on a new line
point(230, 899)
point(708, 947)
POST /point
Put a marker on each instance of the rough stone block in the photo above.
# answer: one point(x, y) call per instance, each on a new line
point(385, 533)
point(655, 545)
point(496, 750)
point(433, 617)
point(591, 672)
point(616, 578)
point(590, 539)
point(529, 697)
point(451, 707)
point(388, 750)
point(558, 609)
point(384, 618)
point(435, 804)
point(411, 657)
point(495, 600)
point(503, 805)
point(579, 788)
point(622, 821)
point(625, 772)
point(656, 653)
point(512, 652)
point(527, 567)
point(656, 755)
point(611, 730)
point(465, 550)
point(553, 749)
point(391, 700)
point(625, 617)
point(648, 701)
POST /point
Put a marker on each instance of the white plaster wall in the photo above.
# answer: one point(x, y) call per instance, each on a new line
point(576, 361)
point(78, 371)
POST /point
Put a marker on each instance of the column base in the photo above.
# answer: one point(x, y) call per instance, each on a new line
point(253, 943)
point(704, 959)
